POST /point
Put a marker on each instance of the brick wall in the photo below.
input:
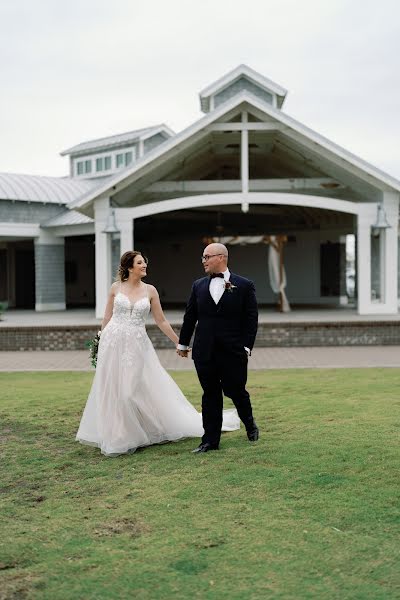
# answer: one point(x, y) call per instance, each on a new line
point(385, 333)
point(355, 333)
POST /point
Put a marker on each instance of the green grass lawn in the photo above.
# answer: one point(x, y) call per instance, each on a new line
point(309, 511)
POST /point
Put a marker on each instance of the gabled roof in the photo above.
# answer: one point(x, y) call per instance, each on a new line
point(36, 188)
point(241, 71)
point(113, 141)
point(303, 135)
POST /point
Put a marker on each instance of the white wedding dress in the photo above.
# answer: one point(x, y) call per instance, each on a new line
point(133, 401)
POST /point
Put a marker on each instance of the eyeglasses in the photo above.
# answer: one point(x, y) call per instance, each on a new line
point(206, 257)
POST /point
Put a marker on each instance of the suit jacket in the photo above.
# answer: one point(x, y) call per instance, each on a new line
point(230, 324)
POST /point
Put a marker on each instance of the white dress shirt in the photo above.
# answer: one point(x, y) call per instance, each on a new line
point(217, 286)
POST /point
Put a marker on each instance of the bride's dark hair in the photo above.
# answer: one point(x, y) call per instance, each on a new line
point(126, 263)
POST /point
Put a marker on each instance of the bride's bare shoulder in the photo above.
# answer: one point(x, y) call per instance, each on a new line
point(152, 290)
point(115, 288)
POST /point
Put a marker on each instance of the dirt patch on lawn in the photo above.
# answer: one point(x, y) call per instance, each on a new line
point(133, 527)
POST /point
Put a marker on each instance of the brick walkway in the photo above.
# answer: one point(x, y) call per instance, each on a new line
point(262, 358)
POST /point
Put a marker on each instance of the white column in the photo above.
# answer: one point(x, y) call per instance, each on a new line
point(389, 242)
point(364, 263)
point(244, 162)
point(125, 225)
point(382, 265)
point(102, 255)
point(343, 299)
point(388, 257)
point(49, 272)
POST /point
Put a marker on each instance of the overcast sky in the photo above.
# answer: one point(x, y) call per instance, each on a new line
point(82, 69)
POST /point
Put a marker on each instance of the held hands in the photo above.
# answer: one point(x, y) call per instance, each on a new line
point(183, 353)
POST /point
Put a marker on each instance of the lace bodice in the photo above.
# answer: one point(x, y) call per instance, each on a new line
point(125, 333)
point(128, 313)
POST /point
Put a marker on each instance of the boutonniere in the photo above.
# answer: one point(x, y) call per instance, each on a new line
point(229, 287)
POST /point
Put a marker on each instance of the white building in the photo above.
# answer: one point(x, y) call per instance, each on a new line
point(245, 168)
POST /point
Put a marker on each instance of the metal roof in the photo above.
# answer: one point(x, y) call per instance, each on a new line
point(37, 188)
point(116, 140)
point(68, 217)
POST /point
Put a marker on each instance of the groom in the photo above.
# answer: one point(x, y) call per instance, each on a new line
point(224, 306)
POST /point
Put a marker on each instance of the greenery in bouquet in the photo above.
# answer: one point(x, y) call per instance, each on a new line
point(93, 346)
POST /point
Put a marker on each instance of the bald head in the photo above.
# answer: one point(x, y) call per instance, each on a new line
point(216, 258)
point(216, 248)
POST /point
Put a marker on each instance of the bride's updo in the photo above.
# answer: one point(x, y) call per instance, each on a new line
point(126, 263)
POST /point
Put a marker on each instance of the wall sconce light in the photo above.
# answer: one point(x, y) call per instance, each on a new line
point(330, 185)
point(381, 221)
point(111, 225)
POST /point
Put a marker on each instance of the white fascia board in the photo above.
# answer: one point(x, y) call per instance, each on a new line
point(71, 230)
point(270, 126)
point(251, 198)
point(23, 230)
point(243, 70)
point(122, 180)
point(234, 185)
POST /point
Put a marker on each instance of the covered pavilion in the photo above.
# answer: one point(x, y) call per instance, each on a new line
point(245, 168)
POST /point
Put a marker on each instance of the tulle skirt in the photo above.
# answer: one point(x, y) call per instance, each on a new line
point(134, 402)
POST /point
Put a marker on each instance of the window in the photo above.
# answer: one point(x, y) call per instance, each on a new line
point(88, 166)
point(128, 158)
point(79, 168)
point(119, 161)
point(107, 163)
point(99, 164)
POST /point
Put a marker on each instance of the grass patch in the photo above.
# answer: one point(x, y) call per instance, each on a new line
point(309, 511)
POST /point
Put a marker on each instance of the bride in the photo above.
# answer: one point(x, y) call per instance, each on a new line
point(133, 401)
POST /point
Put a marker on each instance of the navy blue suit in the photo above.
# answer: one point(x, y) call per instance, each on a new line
point(223, 330)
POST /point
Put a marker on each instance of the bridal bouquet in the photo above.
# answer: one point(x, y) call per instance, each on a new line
point(94, 348)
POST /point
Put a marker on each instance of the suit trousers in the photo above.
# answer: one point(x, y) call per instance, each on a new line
point(224, 372)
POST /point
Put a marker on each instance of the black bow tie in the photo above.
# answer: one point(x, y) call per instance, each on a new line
point(212, 275)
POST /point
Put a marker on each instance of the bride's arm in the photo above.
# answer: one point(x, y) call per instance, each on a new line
point(109, 307)
point(159, 317)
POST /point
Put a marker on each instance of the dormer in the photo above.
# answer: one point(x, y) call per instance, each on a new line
point(241, 79)
point(106, 156)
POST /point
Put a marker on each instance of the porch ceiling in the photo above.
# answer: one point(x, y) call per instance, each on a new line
point(272, 156)
point(229, 220)
point(279, 148)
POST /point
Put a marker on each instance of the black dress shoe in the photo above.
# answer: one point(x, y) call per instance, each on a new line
point(253, 434)
point(205, 448)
